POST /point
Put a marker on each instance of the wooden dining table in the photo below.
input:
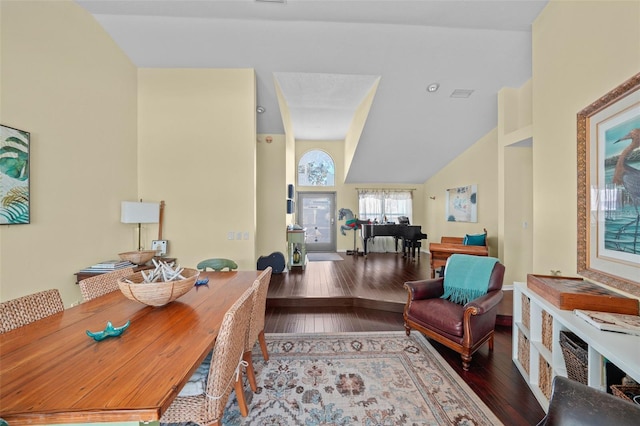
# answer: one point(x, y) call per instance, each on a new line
point(51, 371)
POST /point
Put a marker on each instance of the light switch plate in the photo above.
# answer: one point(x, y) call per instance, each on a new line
point(160, 246)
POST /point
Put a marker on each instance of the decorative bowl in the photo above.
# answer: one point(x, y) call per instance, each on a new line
point(157, 293)
point(139, 257)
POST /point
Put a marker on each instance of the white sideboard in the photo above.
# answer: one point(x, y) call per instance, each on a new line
point(540, 359)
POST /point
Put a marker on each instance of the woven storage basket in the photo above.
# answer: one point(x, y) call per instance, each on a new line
point(621, 391)
point(158, 293)
point(544, 377)
point(574, 350)
point(547, 330)
point(139, 257)
point(526, 308)
point(523, 351)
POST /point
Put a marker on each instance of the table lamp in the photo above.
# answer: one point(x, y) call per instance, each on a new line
point(139, 212)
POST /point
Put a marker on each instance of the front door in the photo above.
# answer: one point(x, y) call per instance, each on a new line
point(316, 213)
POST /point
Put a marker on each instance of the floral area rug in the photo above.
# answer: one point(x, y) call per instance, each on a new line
point(378, 378)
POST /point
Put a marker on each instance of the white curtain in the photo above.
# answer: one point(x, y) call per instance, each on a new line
point(381, 206)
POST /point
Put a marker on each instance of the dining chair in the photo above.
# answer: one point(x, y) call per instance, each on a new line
point(102, 284)
point(256, 327)
point(27, 309)
point(217, 264)
point(224, 372)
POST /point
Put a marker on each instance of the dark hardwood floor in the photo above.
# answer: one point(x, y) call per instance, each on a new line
point(367, 294)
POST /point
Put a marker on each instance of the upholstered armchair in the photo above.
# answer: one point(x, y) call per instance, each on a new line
point(458, 310)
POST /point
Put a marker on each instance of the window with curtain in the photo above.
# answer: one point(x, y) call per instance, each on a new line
point(385, 205)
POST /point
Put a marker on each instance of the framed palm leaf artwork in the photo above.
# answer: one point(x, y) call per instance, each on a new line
point(14, 176)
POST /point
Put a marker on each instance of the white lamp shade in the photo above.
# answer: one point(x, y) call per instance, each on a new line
point(138, 212)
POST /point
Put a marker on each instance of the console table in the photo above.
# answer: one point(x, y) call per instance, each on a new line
point(536, 344)
point(81, 275)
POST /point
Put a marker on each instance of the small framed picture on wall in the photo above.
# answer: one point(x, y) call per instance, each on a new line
point(14, 176)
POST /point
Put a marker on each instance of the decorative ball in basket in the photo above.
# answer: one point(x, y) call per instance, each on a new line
point(165, 286)
point(139, 257)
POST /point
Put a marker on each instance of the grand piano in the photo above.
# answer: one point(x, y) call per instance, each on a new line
point(410, 235)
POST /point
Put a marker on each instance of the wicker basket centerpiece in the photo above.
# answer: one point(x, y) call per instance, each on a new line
point(160, 286)
point(139, 257)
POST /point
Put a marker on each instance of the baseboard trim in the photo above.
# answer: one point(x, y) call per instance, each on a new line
point(332, 302)
point(506, 320)
point(341, 302)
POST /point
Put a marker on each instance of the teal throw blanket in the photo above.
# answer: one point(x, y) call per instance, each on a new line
point(466, 277)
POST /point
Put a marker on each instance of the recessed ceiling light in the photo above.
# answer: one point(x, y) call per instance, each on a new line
point(433, 87)
point(260, 109)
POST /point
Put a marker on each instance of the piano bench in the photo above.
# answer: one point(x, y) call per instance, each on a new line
point(410, 246)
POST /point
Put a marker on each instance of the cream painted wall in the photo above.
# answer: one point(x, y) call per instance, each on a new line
point(515, 181)
point(357, 125)
point(477, 165)
point(581, 50)
point(518, 215)
point(64, 80)
point(272, 195)
point(197, 151)
point(81, 110)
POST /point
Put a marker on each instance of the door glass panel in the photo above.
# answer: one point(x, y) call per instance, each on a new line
point(316, 213)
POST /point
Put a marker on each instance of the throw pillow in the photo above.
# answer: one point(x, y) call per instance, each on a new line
point(474, 240)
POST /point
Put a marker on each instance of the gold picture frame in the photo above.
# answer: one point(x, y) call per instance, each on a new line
point(602, 197)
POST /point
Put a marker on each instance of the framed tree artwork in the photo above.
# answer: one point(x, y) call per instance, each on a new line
point(14, 176)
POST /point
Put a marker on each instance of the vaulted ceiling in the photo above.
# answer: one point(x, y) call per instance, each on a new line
point(327, 54)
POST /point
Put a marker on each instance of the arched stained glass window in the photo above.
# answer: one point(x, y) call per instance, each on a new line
point(316, 168)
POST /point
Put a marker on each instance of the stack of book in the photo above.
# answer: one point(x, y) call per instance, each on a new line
point(608, 321)
point(108, 266)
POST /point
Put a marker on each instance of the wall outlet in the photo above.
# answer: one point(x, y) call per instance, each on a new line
point(160, 246)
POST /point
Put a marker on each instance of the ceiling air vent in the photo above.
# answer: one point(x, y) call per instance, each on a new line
point(461, 93)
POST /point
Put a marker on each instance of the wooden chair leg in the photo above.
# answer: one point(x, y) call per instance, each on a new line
point(263, 345)
point(251, 375)
point(242, 402)
point(466, 362)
